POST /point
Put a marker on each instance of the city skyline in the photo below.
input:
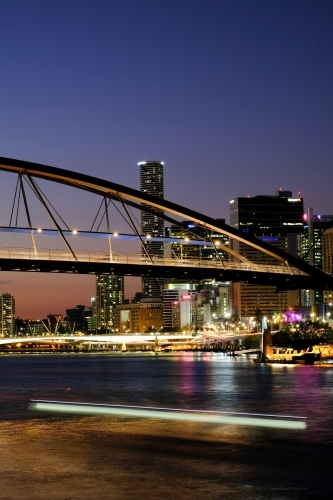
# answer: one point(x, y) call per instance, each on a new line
point(234, 98)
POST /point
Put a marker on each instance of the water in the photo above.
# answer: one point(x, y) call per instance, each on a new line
point(48, 456)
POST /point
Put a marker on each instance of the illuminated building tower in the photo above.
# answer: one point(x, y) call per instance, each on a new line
point(7, 314)
point(277, 220)
point(109, 293)
point(140, 317)
point(202, 248)
point(151, 182)
point(178, 305)
point(315, 250)
point(327, 263)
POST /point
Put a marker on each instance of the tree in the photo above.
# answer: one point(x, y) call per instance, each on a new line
point(258, 315)
point(234, 318)
point(251, 342)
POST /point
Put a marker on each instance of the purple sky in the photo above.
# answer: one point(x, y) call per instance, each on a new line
point(235, 97)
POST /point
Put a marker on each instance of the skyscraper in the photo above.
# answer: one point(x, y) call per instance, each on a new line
point(315, 251)
point(7, 314)
point(327, 264)
point(277, 220)
point(151, 182)
point(109, 293)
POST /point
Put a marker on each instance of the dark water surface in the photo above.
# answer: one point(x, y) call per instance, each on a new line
point(66, 457)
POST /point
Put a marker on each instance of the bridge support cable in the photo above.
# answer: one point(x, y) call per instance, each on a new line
point(214, 246)
point(46, 198)
point(155, 205)
point(287, 264)
point(27, 213)
point(39, 196)
point(135, 229)
point(13, 206)
point(106, 205)
point(225, 248)
point(98, 211)
point(46, 327)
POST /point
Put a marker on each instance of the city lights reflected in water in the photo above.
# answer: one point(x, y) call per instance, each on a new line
point(248, 419)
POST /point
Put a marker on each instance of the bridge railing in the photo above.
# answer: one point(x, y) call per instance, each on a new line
point(138, 259)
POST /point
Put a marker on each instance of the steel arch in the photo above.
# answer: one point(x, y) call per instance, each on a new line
point(135, 198)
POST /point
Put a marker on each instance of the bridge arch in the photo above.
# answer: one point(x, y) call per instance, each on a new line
point(135, 198)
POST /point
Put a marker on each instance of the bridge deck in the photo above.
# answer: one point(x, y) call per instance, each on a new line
point(282, 276)
point(88, 257)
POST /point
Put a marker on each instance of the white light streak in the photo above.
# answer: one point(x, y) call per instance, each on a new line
point(249, 419)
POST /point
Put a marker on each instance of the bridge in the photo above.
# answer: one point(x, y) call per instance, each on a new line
point(152, 341)
point(287, 272)
point(55, 261)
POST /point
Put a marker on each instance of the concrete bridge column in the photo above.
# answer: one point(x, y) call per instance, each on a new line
point(266, 341)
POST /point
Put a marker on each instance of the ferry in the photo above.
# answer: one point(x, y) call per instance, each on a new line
point(292, 356)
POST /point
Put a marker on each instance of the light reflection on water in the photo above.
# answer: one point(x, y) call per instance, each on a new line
point(203, 381)
point(104, 457)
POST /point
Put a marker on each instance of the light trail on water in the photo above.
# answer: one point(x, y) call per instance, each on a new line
point(212, 417)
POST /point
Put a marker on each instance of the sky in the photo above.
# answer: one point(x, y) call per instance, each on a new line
point(235, 97)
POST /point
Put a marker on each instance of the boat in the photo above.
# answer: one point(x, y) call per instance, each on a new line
point(291, 356)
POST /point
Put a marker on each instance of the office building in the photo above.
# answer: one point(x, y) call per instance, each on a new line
point(277, 220)
point(316, 250)
point(90, 315)
point(178, 305)
point(327, 263)
point(109, 293)
point(327, 251)
point(139, 317)
point(7, 315)
point(76, 319)
point(207, 243)
point(151, 182)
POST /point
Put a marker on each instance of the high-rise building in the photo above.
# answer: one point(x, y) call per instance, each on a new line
point(109, 293)
point(203, 247)
point(315, 250)
point(151, 182)
point(139, 317)
point(7, 314)
point(90, 316)
point(327, 244)
point(76, 319)
point(277, 220)
point(178, 305)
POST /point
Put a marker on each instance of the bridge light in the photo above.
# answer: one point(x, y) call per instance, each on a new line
point(148, 236)
point(115, 234)
point(74, 231)
point(39, 230)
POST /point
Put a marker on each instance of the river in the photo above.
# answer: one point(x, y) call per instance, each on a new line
point(48, 456)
